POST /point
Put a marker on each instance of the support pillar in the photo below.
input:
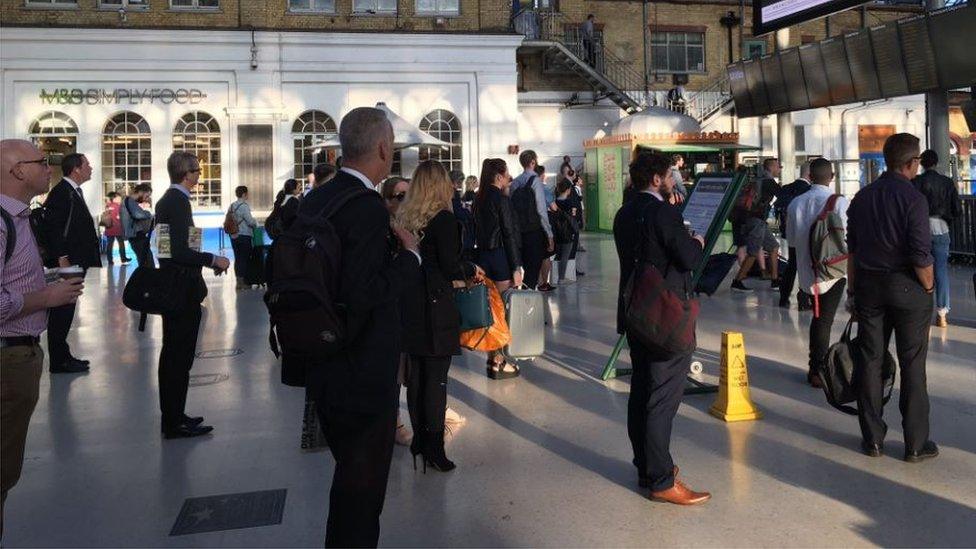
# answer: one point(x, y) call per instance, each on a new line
point(785, 146)
point(937, 115)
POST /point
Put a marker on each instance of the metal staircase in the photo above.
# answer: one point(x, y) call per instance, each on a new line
point(608, 74)
point(711, 101)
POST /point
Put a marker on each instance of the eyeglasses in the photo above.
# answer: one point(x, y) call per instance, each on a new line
point(42, 161)
point(399, 197)
point(195, 170)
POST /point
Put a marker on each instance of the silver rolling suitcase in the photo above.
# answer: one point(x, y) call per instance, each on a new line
point(525, 312)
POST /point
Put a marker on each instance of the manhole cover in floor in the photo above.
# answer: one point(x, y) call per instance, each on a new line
point(219, 353)
point(197, 380)
point(230, 512)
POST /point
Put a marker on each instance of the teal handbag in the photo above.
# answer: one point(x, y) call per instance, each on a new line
point(475, 309)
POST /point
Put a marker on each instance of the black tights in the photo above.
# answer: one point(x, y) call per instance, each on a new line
point(427, 392)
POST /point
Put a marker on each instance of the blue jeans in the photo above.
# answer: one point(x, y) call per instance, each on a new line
point(940, 252)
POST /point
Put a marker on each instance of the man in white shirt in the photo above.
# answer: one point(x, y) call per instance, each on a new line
point(800, 217)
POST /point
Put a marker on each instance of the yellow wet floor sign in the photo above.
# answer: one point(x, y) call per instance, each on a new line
point(733, 402)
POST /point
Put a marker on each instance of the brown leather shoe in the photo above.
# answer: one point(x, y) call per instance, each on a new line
point(940, 321)
point(814, 381)
point(679, 494)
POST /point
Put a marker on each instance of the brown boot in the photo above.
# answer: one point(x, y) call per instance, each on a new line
point(941, 321)
point(679, 494)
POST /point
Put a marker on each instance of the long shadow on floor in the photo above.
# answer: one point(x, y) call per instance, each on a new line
point(899, 515)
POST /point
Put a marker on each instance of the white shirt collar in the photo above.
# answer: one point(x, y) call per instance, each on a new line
point(180, 188)
point(655, 194)
point(359, 175)
point(74, 185)
point(807, 181)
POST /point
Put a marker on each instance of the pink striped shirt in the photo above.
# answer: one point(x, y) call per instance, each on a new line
point(23, 274)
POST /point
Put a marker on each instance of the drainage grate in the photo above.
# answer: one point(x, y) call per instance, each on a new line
point(196, 380)
point(219, 353)
point(230, 512)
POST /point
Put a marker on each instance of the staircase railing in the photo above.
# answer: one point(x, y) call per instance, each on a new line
point(710, 99)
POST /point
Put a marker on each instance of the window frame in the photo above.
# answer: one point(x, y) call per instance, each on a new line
point(66, 132)
point(195, 7)
point(207, 167)
point(376, 13)
point(298, 137)
point(667, 44)
point(313, 10)
point(454, 128)
point(438, 12)
point(51, 5)
point(144, 144)
point(123, 4)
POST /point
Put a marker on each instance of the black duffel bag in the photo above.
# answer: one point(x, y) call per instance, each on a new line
point(152, 291)
point(837, 373)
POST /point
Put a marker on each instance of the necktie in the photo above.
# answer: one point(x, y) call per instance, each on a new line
point(81, 194)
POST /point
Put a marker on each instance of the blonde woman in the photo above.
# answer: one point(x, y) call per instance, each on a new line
point(430, 319)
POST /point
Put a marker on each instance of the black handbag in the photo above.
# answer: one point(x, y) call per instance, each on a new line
point(837, 373)
point(152, 291)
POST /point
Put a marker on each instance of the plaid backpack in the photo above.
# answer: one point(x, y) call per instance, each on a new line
point(828, 248)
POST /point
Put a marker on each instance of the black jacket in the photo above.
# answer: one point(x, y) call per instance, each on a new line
point(495, 225)
point(431, 322)
point(664, 242)
point(174, 209)
point(942, 194)
point(81, 243)
point(784, 196)
point(372, 279)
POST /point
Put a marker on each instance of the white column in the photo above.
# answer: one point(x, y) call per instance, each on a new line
point(786, 150)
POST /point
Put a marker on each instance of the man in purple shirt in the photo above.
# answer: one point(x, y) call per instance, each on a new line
point(890, 271)
point(24, 301)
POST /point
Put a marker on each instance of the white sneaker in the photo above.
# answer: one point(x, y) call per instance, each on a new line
point(452, 417)
point(403, 435)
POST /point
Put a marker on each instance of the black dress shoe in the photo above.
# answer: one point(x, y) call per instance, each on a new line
point(187, 420)
point(784, 303)
point(187, 431)
point(85, 363)
point(644, 482)
point(69, 367)
point(929, 450)
point(871, 449)
point(804, 305)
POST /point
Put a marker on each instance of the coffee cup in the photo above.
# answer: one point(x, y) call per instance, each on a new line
point(74, 271)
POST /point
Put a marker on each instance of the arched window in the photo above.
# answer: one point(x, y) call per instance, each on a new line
point(310, 128)
point(126, 153)
point(56, 134)
point(444, 126)
point(199, 133)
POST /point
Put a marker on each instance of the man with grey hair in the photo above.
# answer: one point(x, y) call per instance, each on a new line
point(784, 197)
point(356, 391)
point(174, 225)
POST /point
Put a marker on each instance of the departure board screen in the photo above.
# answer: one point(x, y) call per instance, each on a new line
point(860, 58)
point(814, 75)
point(916, 47)
point(740, 91)
point(775, 88)
point(887, 56)
point(757, 88)
point(796, 88)
point(838, 72)
point(770, 15)
point(952, 34)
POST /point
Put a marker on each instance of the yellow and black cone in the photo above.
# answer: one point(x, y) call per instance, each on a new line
point(733, 402)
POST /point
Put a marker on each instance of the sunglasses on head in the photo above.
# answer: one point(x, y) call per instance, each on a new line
point(399, 196)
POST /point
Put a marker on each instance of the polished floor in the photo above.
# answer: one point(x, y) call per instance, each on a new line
point(543, 460)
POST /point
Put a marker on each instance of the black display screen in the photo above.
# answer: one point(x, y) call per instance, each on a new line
point(775, 87)
point(757, 87)
point(814, 75)
point(952, 34)
point(740, 91)
point(796, 88)
point(916, 48)
point(770, 15)
point(860, 58)
point(887, 56)
point(838, 72)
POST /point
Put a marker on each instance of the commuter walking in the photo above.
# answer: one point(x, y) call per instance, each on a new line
point(749, 216)
point(529, 202)
point(179, 251)
point(499, 244)
point(588, 35)
point(113, 231)
point(24, 303)
point(649, 230)
point(242, 240)
point(804, 211)
point(358, 412)
point(944, 207)
point(784, 198)
point(72, 239)
point(891, 275)
point(137, 222)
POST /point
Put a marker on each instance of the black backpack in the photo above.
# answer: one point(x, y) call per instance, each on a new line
point(562, 226)
point(837, 373)
point(523, 201)
point(306, 320)
point(39, 222)
point(163, 291)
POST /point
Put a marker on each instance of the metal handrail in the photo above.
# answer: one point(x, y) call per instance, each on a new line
point(709, 99)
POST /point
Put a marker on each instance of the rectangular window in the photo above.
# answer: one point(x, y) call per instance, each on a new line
point(678, 52)
point(194, 4)
point(53, 3)
point(127, 4)
point(800, 138)
point(318, 6)
point(374, 6)
point(439, 7)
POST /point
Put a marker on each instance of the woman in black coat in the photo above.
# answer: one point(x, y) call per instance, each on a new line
point(430, 318)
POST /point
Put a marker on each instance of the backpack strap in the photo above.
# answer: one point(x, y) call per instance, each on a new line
point(11, 235)
point(828, 207)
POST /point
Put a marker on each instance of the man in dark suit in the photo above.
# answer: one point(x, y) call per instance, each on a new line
point(72, 239)
point(357, 391)
point(648, 229)
point(783, 199)
point(174, 219)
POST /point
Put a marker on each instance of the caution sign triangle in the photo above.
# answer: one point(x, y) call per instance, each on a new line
point(733, 402)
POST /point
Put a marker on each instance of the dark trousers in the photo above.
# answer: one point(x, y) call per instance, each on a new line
point(175, 360)
point(242, 253)
point(896, 301)
point(534, 245)
point(820, 325)
point(59, 321)
point(108, 248)
point(362, 445)
point(656, 388)
point(427, 392)
point(140, 246)
point(788, 278)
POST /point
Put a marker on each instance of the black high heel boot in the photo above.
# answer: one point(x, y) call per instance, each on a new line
point(433, 452)
point(416, 447)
